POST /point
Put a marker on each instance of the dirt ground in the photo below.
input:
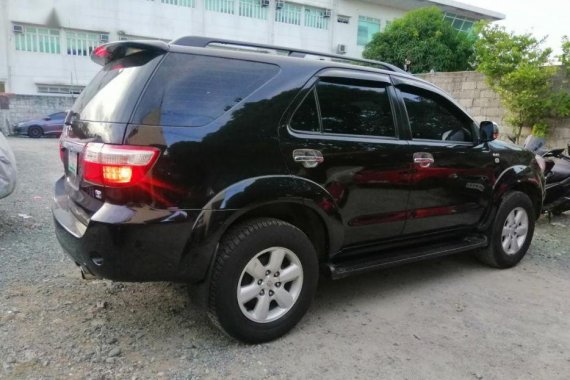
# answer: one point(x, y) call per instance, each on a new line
point(451, 318)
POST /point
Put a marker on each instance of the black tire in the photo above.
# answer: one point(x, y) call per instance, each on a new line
point(35, 132)
point(237, 248)
point(495, 255)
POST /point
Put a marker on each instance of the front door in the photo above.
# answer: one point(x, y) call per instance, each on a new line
point(351, 122)
point(452, 175)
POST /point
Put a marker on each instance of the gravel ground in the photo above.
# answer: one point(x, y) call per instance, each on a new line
point(445, 319)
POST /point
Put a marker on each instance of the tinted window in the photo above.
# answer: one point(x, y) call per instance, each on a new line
point(191, 90)
point(306, 117)
point(112, 94)
point(355, 108)
point(433, 117)
point(59, 115)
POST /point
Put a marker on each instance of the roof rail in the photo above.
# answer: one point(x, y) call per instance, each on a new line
point(197, 41)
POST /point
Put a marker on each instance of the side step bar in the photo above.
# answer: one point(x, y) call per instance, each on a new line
point(408, 255)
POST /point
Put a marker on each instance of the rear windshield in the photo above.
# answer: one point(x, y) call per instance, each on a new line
point(193, 90)
point(112, 94)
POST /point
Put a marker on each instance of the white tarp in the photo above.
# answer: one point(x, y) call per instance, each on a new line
point(7, 168)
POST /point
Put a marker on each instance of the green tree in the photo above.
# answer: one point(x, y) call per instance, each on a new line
point(521, 72)
point(425, 39)
point(565, 57)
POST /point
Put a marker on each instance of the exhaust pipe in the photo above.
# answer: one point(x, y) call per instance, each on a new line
point(86, 274)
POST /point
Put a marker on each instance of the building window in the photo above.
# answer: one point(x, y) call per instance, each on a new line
point(253, 9)
point(289, 14)
point(39, 40)
point(2, 87)
point(222, 6)
point(315, 18)
point(367, 28)
point(181, 3)
point(463, 24)
point(59, 89)
point(82, 43)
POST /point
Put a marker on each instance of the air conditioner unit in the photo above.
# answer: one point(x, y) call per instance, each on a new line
point(264, 3)
point(341, 49)
point(17, 28)
point(279, 4)
point(327, 13)
point(103, 37)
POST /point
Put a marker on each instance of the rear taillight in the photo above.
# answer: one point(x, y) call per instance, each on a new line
point(117, 165)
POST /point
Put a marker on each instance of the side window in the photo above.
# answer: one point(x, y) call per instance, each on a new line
point(355, 108)
point(433, 117)
point(59, 115)
point(192, 90)
point(306, 117)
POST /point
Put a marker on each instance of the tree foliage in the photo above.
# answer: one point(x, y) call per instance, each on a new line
point(521, 72)
point(565, 56)
point(424, 38)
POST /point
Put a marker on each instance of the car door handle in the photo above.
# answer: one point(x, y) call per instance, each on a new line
point(423, 159)
point(309, 158)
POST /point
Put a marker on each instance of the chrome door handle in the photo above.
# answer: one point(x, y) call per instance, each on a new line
point(309, 158)
point(423, 159)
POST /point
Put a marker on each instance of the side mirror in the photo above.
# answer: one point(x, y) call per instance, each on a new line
point(488, 131)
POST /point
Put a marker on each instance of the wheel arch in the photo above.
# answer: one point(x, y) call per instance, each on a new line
point(523, 179)
point(35, 126)
point(292, 199)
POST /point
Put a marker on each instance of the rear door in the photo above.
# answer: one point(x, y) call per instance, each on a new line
point(55, 123)
point(453, 174)
point(348, 118)
point(100, 115)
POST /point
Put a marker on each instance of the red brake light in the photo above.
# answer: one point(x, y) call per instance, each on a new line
point(101, 51)
point(117, 165)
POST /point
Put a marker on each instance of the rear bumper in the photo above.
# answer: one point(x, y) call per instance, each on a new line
point(132, 243)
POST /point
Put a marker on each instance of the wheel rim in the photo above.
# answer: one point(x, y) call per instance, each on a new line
point(515, 231)
point(270, 284)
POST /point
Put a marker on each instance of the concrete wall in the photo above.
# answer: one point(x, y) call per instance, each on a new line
point(26, 107)
point(473, 93)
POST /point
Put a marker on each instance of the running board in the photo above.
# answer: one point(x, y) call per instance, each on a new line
point(408, 255)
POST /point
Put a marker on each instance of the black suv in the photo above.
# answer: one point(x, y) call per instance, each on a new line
point(246, 169)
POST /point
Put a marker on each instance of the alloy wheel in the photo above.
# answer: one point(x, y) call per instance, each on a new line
point(515, 231)
point(270, 284)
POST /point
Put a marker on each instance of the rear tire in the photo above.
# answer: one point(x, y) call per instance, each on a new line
point(263, 281)
point(35, 132)
point(511, 233)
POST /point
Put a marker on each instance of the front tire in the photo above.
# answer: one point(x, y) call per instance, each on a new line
point(511, 233)
point(35, 132)
point(263, 281)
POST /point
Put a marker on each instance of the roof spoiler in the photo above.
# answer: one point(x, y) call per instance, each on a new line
point(104, 54)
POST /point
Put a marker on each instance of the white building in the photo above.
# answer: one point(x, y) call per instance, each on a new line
point(45, 44)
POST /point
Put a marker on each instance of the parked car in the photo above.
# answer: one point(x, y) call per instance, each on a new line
point(49, 125)
point(8, 173)
point(244, 172)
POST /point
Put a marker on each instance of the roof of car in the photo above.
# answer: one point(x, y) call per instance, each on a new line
point(282, 56)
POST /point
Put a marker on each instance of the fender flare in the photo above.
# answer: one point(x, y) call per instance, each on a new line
point(509, 179)
point(247, 195)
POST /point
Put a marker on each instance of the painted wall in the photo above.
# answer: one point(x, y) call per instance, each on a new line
point(146, 18)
